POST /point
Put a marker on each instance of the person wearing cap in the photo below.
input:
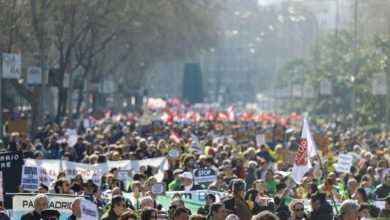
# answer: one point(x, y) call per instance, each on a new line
point(88, 188)
point(176, 182)
point(187, 182)
point(50, 214)
point(41, 202)
point(281, 209)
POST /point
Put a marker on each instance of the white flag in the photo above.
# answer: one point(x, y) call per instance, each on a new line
point(307, 149)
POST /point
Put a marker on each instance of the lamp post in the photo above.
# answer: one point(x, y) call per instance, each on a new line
point(1, 82)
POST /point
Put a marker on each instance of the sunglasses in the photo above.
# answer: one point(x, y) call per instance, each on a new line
point(299, 210)
point(52, 218)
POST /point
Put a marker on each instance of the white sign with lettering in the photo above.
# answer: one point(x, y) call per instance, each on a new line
point(88, 210)
point(30, 178)
point(344, 163)
point(12, 66)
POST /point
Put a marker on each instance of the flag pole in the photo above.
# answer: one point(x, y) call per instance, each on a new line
point(327, 183)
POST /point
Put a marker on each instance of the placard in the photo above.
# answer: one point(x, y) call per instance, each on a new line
point(158, 189)
point(122, 174)
point(321, 143)
point(344, 163)
point(227, 128)
point(269, 135)
point(18, 126)
point(260, 139)
point(174, 153)
point(242, 135)
point(12, 66)
point(30, 178)
point(88, 210)
point(289, 157)
point(157, 128)
point(204, 176)
point(279, 133)
point(11, 164)
point(34, 75)
point(252, 129)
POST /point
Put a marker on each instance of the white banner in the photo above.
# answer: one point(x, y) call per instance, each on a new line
point(30, 178)
point(379, 85)
point(12, 66)
point(51, 168)
point(198, 195)
point(344, 163)
point(325, 87)
point(22, 204)
point(34, 75)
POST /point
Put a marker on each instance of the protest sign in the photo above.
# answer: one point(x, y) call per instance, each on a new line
point(51, 168)
point(279, 133)
point(204, 176)
point(157, 128)
point(30, 178)
point(242, 135)
point(260, 139)
point(24, 203)
point(227, 128)
point(11, 165)
point(158, 188)
point(12, 66)
point(252, 129)
point(344, 163)
point(88, 210)
point(18, 126)
point(289, 157)
point(321, 143)
point(174, 153)
point(123, 174)
point(269, 135)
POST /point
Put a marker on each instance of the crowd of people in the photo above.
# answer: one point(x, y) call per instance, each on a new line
point(254, 176)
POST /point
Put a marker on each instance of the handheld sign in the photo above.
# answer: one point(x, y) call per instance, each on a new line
point(30, 177)
point(157, 128)
point(252, 129)
point(242, 135)
point(344, 163)
point(174, 153)
point(260, 139)
point(88, 210)
point(158, 189)
point(289, 157)
point(204, 176)
point(321, 143)
point(122, 174)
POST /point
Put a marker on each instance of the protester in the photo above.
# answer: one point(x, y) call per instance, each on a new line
point(148, 213)
point(187, 183)
point(297, 210)
point(76, 208)
point(128, 215)
point(118, 205)
point(321, 208)
point(349, 210)
point(41, 202)
point(217, 211)
point(238, 188)
point(205, 210)
point(181, 213)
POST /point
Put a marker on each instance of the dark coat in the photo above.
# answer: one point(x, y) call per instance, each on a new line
point(250, 177)
point(32, 215)
point(244, 212)
point(72, 217)
point(324, 212)
point(110, 215)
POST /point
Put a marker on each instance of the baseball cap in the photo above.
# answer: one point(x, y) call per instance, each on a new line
point(186, 175)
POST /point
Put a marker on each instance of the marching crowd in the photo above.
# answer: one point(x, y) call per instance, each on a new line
point(254, 176)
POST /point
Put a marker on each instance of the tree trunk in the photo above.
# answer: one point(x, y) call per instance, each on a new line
point(79, 102)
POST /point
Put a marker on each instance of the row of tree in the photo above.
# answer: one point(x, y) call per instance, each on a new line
point(98, 38)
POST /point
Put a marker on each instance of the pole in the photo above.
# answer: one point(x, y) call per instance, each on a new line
point(354, 65)
point(1, 82)
point(43, 64)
